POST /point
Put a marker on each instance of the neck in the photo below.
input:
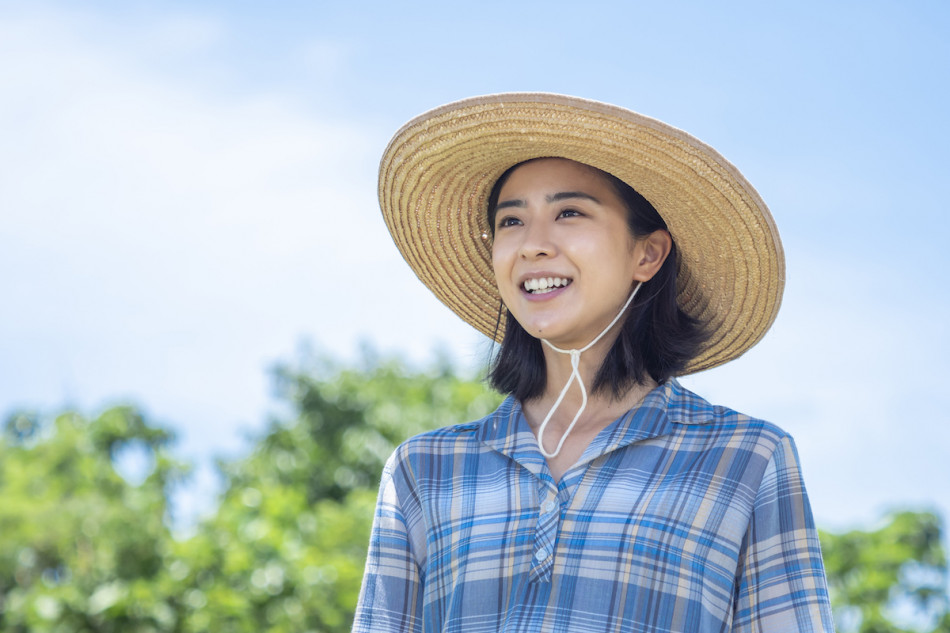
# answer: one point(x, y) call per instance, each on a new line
point(602, 407)
point(575, 378)
point(558, 372)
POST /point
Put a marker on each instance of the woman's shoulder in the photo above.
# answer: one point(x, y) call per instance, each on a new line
point(692, 414)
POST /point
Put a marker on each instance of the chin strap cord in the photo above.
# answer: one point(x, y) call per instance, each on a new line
point(575, 355)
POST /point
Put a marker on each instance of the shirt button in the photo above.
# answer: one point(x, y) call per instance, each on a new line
point(548, 506)
point(541, 554)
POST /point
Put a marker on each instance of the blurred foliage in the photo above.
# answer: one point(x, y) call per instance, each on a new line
point(85, 549)
point(286, 550)
point(82, 549)
point(889, 580)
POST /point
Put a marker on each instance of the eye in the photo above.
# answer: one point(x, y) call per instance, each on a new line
point(570, 213)
point(508, 220)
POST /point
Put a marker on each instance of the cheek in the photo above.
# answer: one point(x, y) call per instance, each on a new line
point(613, 259)
point(500, 257)
point(496, 265)
point(501, 265)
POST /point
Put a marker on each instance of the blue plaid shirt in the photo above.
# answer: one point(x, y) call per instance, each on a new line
point(680, 516)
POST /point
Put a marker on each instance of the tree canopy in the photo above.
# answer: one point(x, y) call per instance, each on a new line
point(892, 579)
point(82, 549)
point(85, 549)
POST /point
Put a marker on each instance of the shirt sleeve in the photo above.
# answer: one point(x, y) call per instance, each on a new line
point(781, 582)
point(391, 595)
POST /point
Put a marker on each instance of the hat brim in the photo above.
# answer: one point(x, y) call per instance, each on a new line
point(436, 174)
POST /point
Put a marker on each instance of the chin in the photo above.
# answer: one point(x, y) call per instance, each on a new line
point(542, 330)
point(559, 338)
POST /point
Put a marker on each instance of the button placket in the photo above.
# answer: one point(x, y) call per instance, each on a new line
point(546, 533)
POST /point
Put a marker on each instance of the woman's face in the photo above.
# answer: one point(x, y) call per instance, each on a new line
point(564, 258)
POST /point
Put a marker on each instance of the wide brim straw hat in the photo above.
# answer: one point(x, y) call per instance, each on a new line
point(436, 174)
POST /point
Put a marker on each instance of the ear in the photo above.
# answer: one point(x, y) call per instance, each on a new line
point(649, 254)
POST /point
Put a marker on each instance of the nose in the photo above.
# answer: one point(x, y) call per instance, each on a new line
point(537, 241)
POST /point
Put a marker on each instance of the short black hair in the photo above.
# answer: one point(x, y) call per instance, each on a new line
point(656, 340)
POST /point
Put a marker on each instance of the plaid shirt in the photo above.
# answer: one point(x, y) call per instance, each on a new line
point(680, 516)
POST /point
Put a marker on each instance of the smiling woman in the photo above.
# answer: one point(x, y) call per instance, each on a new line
point(560, 213)
point(666, 336)
point(622, 253)
point(557, 218)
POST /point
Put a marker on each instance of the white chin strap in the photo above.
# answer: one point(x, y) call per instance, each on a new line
point(575, 374)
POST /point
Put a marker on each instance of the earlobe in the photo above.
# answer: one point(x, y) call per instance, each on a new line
point(651, 251)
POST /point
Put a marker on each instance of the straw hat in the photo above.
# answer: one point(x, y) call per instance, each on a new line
point(436, 174)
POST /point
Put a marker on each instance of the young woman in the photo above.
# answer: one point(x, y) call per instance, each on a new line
point(610, 253)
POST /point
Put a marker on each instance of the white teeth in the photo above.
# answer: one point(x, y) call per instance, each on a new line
point(542, 285)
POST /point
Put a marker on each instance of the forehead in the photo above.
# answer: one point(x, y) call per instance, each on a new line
point(556, 174)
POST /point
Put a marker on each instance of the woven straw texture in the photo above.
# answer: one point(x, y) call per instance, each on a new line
point(436, 174)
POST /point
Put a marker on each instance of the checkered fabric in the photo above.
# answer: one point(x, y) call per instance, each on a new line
point(680, 516)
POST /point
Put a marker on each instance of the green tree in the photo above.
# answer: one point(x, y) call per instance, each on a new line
point(892, 579)
point(285, 551)
point(82, 548)
point(86, 550)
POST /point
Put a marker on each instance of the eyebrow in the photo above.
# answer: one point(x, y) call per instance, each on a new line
point(510, 203)
point(556, 197)
point(564, 195)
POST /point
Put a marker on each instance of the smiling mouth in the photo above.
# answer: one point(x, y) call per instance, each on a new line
point(544, 285)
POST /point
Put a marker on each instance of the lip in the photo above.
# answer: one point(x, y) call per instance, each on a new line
point(547, 295)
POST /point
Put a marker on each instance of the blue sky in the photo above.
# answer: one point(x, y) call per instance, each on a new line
point(187, 192)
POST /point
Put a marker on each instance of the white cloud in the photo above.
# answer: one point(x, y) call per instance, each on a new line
point(165, 243)
point(164, 239)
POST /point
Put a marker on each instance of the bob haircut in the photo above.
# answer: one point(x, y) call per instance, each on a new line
point(656, 340)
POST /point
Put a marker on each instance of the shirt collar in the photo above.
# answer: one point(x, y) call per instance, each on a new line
point(643, 422)
point(507, 430)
